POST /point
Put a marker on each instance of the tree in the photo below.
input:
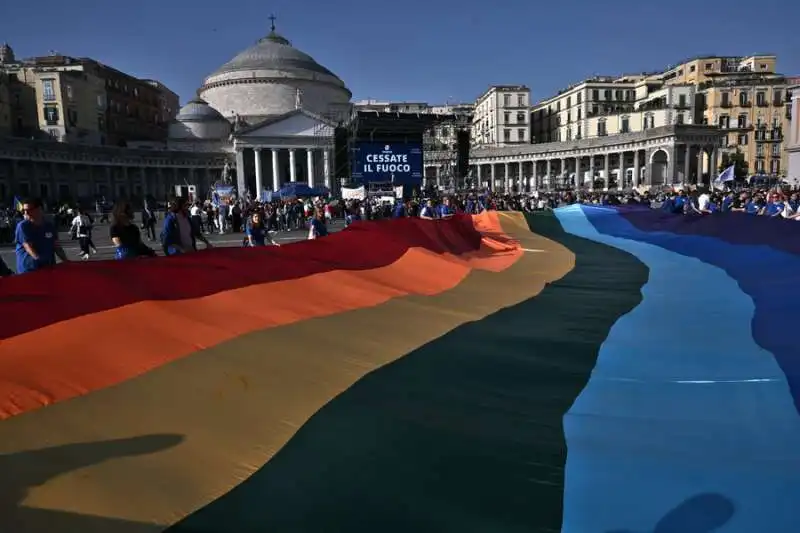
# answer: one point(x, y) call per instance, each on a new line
point(740, 169)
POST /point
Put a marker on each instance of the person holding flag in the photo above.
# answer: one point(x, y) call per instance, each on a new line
point(17, 204)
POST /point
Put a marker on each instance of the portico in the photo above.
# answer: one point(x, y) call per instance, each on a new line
point(293, 147)
point(664, 156)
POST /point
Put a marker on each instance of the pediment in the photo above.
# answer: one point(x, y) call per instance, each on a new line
point(294, 124)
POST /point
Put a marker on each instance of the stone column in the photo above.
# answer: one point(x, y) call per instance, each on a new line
point(687, 163)
point(292, 166)
point(259, 176)
point(326, 167)
point(607, 170)
point(578, 177)
point(549, 171)
point(713, 165)
point(241, 184)
point(310, 164)
point(636, 171)
point(276, 179)
point(143, 179)
point(621, 173)
point(700, 161)
point(479, 172)
point(493, 176)
point(591, 171)
point(506, 179)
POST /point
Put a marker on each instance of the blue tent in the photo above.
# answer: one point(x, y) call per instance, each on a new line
point(297, 190)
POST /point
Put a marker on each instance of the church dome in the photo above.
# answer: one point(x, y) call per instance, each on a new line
point(198, 120)
point(198, 110)
point(273, 52)
point(264, 80)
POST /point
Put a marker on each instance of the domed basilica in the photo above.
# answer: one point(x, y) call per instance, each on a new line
point(272, 106)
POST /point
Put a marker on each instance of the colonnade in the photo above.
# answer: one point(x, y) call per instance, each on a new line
point(667, 165)
point(285, 161)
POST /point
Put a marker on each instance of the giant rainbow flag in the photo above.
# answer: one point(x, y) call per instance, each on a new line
point(592, 370)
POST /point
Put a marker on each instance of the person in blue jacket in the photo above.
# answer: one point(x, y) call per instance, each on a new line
point(179, 235)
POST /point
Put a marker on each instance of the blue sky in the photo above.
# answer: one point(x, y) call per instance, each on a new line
point(414, 50)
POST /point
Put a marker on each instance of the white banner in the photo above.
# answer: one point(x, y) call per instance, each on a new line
point(358, 193)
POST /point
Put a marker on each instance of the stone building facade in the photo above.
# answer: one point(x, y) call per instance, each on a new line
point(58, 171)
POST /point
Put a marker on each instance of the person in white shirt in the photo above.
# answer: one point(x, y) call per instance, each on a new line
point(82, 228)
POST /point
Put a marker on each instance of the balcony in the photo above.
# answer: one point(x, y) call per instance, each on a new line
point(762, 103)
point(745, 103)
point(777, 103)
point(725, 104)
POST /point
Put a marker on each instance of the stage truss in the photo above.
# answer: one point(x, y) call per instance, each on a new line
point(440, 149)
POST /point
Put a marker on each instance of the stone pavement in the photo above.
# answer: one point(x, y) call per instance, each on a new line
point(105, 250)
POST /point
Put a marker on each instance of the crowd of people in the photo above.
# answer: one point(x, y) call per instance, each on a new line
point(185, 224)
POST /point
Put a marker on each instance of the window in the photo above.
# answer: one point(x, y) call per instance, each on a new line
point(521, 100)
point(759, 150)
point(601, 128)
point(595, 95)
point(520, 135)
point(580, 114)
point(724, 122)
point(506, 100)
point(569, 101)
point(679, 118)
point(776, 150)
point(631, 95)
point(709, 66)
point(101, 101)
point(579, 98)
point(759, 166)
point(761, 98)
point(507, 118)
point(682, 100)
point(775, 166)
point(69, 93)
point(521, 117)
point(569, 116)
point(49, 90)
point(742, 139)
point(741, 121)
point(763, 66)
point(726, 99)
point(692, 68)
point(594, 110)
point(51, 115)
point(507, 135)
point(744, 99)
point(776, 123)
point(625, 125)
point(135, 91)
point(607, 94)
point(776, 97)
point(578, 135)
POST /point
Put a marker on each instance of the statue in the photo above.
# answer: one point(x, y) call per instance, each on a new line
point(226, 173)
point(298, 102)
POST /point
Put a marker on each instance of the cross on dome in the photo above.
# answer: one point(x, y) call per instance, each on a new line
point(272, 22)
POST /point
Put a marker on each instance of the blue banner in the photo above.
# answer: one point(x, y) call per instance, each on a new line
point(398, 163)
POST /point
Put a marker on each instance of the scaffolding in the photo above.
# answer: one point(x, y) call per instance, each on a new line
point(440, 148)
point(324, 137)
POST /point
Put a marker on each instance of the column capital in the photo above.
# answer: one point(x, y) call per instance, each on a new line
point(292, 149)
point(257, 149)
